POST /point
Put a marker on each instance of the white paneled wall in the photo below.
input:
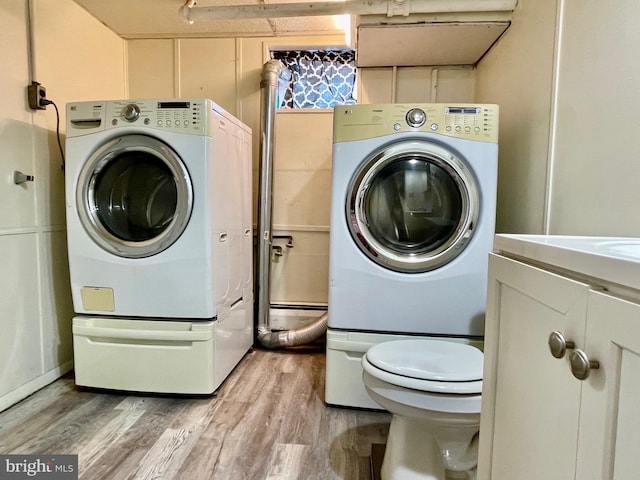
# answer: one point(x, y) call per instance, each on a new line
point(21, 339)
point(566, 78)
point(214, 60)
point(376, 85)
point(517, 74)
point(151, 67)
point(301, 205)
point(417, 84)
point(75, 58)
point(301, 275)
point(302, 170)
point(595, 160)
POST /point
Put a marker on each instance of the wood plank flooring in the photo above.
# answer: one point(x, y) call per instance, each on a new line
point(268, 421)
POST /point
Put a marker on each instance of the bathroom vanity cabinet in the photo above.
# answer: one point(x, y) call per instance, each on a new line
point(538, 419)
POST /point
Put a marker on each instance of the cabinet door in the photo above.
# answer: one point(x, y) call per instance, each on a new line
point(609, 442)
point(530, 404)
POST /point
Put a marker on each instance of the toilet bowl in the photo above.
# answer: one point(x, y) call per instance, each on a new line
point(433, 390)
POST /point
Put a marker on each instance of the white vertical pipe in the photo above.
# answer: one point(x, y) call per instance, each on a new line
point(553, 124)
point(271, 72)
point(268, 91)
point(30, 40)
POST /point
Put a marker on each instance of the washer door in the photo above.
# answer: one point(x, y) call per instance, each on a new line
point(134, 196)
point(413, 206)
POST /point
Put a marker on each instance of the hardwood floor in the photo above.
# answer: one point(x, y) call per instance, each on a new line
point(267, 422)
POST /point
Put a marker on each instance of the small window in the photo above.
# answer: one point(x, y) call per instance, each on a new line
point(318, 78)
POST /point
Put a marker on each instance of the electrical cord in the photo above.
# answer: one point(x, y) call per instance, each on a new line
point(46, 101)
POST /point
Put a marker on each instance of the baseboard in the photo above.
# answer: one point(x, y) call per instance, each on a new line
point(11, 398)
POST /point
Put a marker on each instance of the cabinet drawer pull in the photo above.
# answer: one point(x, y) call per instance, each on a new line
point(558, 345)
point(581, 366)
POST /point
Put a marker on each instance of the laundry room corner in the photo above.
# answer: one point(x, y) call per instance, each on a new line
point(40, 41)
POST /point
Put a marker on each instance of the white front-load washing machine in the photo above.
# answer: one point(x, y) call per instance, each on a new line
point(158, 202)
point(153, 189)
point(412, 224)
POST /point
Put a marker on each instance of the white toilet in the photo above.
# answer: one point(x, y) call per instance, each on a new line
point(433, 389)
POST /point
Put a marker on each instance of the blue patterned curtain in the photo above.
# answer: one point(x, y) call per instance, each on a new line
point(319, 79)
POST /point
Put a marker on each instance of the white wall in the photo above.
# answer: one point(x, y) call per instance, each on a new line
point(568, 93)
point(423, 84)
point(517, 74)
point(75, 58)
point(596, 157)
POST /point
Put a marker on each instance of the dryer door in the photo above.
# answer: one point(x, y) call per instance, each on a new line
point(134, 196)
point(413, 206)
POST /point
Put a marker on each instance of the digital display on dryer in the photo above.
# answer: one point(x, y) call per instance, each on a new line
point(463, 110)
point(174, 105)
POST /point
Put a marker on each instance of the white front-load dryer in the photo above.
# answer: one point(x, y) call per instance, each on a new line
point(158, 197)
point(412, 224)
point(151, 194)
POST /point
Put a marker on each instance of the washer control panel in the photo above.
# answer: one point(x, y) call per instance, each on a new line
point(180, 116)
point(477, 122)
point(183, 116)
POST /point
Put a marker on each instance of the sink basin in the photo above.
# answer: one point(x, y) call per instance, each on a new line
point(630, 248)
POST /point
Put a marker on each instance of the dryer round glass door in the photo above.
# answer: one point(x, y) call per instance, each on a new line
point(134, 196)
point(412, 206)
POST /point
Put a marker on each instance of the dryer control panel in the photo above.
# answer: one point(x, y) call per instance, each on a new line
point(182, 116)
point(477, 122)
point(189, 116)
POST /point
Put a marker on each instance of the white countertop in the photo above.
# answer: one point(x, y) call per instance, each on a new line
point(611, 259)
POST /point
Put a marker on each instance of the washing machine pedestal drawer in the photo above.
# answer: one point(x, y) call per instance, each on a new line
point(158, 356)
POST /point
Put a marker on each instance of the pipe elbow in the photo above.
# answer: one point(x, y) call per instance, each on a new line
point(292, 338)
point(185, 11)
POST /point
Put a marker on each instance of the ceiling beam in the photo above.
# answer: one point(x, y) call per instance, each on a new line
point(390, 8)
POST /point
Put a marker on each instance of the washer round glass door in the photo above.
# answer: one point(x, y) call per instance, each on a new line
point(134, 196)
point(412, 206)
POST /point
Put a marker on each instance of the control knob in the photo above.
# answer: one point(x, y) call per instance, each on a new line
point(416, 117)
point(131, 112)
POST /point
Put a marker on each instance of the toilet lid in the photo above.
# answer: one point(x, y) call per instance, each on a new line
point(434, 360)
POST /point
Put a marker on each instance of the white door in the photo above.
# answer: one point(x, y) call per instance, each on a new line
point(609, 442)
point(134, 196)
point(529, 421)
point(413, 206)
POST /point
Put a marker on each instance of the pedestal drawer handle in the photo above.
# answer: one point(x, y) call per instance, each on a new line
point(581, 366)
point(558, 345)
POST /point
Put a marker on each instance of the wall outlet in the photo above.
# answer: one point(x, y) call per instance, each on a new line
point(36, 93)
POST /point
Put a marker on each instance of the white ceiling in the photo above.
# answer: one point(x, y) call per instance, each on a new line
point(161, 19)
point(454, 35)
